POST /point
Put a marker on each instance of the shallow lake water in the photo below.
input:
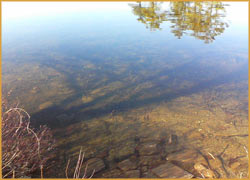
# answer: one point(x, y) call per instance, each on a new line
point(119, 79)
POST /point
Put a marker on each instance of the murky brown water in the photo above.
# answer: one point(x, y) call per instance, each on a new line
point(115, 89)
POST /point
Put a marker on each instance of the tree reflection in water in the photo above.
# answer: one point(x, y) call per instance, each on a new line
point(203, 20)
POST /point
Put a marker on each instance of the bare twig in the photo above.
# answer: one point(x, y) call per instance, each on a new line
point(78, 167)
point(23, 148)
point(246, 150)
point(92, 174)
point(211, 155)
point(41, 169)
point(66, 170)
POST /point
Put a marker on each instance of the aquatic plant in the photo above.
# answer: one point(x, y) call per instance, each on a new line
point(24, 149)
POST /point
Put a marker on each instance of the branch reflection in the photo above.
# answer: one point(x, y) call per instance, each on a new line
point(203, 20)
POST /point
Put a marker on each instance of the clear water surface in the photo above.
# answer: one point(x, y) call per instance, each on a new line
point(107, 76)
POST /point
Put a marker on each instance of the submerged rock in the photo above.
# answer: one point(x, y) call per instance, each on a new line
point(121, 152)
point(169, 170)
point(65, 118)
point(186, 155)
point(147, 148)
point(127, 165)
point(94, 164)
point(196, 135)
point(45, 105)
point(87, 99)
point(150, 160)
point(173, 139)
point(34, 90)
point(132, 174)
point(25, 177)
point(172, 144)
point(215, 163)
point(144, 169)
point(149, 174)
point(114, 173)
point(186, 159)
point(204, 172)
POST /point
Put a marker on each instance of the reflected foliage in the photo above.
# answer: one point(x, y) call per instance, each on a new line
point(203, 20)
point(150, 15)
